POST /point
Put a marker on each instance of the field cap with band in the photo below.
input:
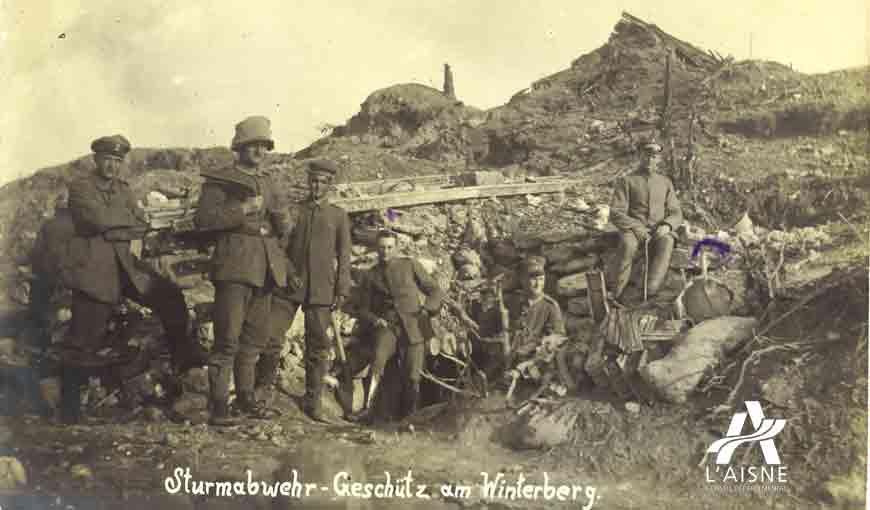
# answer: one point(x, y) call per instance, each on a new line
point(649, 145)
point(323, 166)
point(115, 146)
point(253, 129)
point(534, 266)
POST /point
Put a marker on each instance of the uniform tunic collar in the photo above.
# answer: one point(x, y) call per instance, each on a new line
point(109, 185)
point(252, 171)
point(317, 204)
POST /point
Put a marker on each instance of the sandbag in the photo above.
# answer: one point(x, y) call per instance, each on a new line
point(543, 425)
point(677, 374)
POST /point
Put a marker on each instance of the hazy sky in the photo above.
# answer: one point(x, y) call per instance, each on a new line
point(176, 74)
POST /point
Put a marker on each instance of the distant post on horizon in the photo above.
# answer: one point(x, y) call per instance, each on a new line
point(448, 82)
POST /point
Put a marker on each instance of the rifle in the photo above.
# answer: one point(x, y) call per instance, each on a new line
point(504, 319)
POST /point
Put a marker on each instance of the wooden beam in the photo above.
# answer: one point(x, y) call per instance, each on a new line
point(380, 202)
point(414, 179)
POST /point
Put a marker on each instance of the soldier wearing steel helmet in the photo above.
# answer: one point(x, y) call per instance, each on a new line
point(242, 206)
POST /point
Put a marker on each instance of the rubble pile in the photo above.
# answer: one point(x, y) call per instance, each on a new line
point(463, 244)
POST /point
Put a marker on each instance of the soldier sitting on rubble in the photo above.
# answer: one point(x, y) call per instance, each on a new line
point(390, 304)
point(532, 314)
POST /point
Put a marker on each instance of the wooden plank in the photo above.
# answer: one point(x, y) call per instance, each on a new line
point(415, 179)
point(380, 202)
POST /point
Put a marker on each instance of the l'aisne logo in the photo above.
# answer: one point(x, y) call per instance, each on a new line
point(764, 430)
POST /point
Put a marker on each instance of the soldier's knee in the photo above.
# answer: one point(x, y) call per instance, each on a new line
point(665, 242)
point(221, 360)
point(316, 355)
point(247, 351)
point(378, 368)
point(272, 352)
point(628, 241)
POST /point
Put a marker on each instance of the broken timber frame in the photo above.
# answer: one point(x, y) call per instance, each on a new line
point(380, 202)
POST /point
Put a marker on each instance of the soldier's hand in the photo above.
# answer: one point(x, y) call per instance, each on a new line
point(294, 282)
point(253, 204)
point(381, 323)
point(339, 302)
point(525, 350)
point(663, 230)
point(642, 234)
point(136, 248)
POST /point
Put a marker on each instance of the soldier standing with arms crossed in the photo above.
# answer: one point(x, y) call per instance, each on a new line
point(319, 249)
point(96, 263)
point(241, 204)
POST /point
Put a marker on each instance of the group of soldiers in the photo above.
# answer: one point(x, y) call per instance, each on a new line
point(264, 267)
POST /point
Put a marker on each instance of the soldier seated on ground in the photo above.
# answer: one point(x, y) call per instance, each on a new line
point(390, 305)
point(532, 317)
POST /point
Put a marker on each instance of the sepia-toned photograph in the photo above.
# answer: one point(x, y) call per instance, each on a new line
point(488, 255)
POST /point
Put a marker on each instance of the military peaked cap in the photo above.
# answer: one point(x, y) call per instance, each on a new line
point(115, 145)
point(534, 266)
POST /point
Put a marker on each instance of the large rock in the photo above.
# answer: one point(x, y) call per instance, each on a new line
point(12, 474)
point(572, 285)
point(676, 375)
point(190, 404)
point(483, 178)
point(544, 425)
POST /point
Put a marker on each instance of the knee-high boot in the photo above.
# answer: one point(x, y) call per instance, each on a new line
point(219, 393)
point(315, 369)
point(72, 380)
point(267, 372)
point(411, 398)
